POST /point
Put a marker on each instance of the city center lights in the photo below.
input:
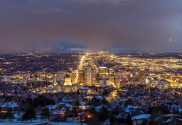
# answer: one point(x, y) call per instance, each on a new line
point(91, 62)
point(80, 66)
point(84, 85)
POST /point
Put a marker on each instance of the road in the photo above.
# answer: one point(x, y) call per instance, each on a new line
point(80, 66)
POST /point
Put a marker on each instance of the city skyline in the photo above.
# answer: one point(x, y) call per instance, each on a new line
point(127, 25)
point(91, 88)
point(91, 62)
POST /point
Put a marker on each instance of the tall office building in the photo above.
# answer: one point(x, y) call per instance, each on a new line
point(103, 72)
point(81, 76)
point(89, 76)
point(73, 76)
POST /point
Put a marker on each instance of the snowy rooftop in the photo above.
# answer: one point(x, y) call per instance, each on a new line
point(9, 105)
point(141, 116)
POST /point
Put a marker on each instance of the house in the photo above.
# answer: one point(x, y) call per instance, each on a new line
point(13, 106)
point(168, 119)
point(141, 119)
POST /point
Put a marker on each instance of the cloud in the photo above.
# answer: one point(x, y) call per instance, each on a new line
point(114, 2)
point(96, 24)
point(52, 11)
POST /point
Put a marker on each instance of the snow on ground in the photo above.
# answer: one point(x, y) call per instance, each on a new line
point(142, 116)
point(36, 123)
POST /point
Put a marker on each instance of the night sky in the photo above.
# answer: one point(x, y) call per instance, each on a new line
point(147, 25)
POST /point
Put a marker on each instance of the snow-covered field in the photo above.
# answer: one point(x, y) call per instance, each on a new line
point(36, 123)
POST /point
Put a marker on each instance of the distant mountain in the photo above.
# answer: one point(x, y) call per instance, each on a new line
point(123, 50)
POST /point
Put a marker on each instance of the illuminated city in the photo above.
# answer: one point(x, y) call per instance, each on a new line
point(80, 86)
point(90, 62)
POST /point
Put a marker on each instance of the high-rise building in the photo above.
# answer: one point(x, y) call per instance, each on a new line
point(73, 76)
point(89, 76)
point(81, 76)
point(103, 72)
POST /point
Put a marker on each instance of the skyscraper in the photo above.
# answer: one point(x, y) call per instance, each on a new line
point(89, 76)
